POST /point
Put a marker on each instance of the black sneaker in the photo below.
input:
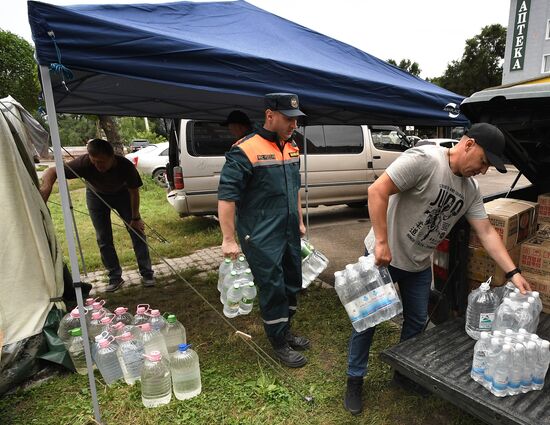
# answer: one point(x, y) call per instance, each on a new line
point(401, 381)
point(353, 399)
point(289, 357)
point(297, 342)
point(148, 281)
point(114, 285)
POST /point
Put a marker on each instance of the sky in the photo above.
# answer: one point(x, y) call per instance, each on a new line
point(430, 32)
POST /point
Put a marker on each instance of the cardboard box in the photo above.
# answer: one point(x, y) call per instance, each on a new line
point(513, 219)
point(544, 208)
point(535, 254)
point(481, 266)
point(542, 285)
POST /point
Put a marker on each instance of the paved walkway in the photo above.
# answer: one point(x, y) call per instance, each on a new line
point(205, 260)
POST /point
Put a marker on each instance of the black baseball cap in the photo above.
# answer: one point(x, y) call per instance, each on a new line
point(491, 139)
point(237, 117)
point(285, 103)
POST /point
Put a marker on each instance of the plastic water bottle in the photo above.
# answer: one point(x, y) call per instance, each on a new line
point(130, 356)
point(69, 321)
point(141, 317)
point(95, 327)
point(308, 274)
point(248, 296)
point(153, 340)
point(120, 328)
point(88, 308)
point(505, 316)
point(541, 365)
point(530, 361)
point(504, 290)
point(174, 334)
point(517, 369)
point(479, 363)
point(500, 373)
point(107, 322)
point(157, 321)
point(524, 315)
point(241, 264)
point(75, 347)
point(227, 283)
point(233, 300)
point(100, 306)
point(494, 351)
point(352, 299)
point(480, 312)
point(95, 346)
point(107, 361)
point(186, 373)
point(122, 315)
point(225, 268)
point(156, 381)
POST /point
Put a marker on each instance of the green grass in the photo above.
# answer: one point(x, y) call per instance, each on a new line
point(237, 387)
point(185, 235)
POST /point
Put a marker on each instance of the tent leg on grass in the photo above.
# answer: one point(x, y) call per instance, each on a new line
point(69, 223)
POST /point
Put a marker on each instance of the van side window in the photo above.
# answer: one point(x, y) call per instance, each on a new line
point(206, 138)
point(343, 139)
point(388, 140)
point(315, 139)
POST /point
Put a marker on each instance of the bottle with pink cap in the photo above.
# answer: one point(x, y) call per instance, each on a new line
point(107, 361)
point(70, 321)
point(122, 315)
point(156, 320)
point(119, 328)
point(130, 356)
point(140, 317)
point(97, 306)
point(156, 381)
point(95, 327)
point(153, 340)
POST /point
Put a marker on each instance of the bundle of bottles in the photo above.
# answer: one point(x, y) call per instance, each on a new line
point(314, 263)
point(236, 286)
point(146, 346)
point(509, 362)
point(502, 308)
point(367, 293)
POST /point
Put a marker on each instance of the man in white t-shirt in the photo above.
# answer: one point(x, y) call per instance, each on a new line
point(413, 206)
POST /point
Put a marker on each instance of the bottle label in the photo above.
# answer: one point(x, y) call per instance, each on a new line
point(486, 321)
point(479, 364)
point(247, 300)
point(370, 303)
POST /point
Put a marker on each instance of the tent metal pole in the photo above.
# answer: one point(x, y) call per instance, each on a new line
point(77, 236)
point(68, 222)
point(306, 189)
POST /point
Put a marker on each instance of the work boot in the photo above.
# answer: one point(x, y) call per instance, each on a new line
point(114, 284)
point(286, 354)
point(353, 401)
point(296, 342)
point(148, 281)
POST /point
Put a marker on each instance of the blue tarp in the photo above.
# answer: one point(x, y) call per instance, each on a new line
point(202, 60)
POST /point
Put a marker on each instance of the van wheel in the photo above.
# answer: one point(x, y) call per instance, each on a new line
point(357, 204)
point(159, 176)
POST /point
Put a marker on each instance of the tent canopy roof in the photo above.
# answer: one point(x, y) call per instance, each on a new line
point(202, 60)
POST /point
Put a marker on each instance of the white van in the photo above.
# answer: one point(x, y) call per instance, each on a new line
point(342, 161)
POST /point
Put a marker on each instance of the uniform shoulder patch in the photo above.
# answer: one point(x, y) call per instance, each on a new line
point(265, 157)
point(293, 154)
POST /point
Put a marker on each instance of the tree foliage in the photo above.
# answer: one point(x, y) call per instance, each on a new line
point(407, 65)
point(18, 71)
point(76, 130)
point(481, 64)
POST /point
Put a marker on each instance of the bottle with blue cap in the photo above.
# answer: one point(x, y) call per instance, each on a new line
point(186, 374)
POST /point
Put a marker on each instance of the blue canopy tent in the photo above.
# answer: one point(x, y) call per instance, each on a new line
point(202, 60)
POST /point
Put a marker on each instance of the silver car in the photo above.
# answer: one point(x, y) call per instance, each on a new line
point(151, 161)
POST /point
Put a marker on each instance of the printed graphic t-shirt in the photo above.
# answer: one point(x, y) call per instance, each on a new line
point(430, 201)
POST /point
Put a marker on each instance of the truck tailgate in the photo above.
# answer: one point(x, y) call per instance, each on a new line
point(440, 360)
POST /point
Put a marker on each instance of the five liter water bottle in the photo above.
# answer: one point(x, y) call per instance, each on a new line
point(75, 347)
point(156, 382)
point(141, 317)
point(481, 310)
point(186, 374)
point(130, 356)
point(153, 340)
point(174, 334)
point(70, 321)
point(157, 321)
point(107, 361)
point(122, 315)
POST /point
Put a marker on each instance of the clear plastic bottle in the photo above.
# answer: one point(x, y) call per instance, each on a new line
point(530, 361)
point(480, 312)
point(308, 274)
point(186, 374)
point(174, 334)
point(130, 356)
point(156, 381)
point(233, 299)
point(524, 315)
point(228, 282)
point(517, 369)
point(240, 265)
point(95, 327)
point(541, 365)
point(100, 306)
point(352, 296)
point(479, 363)
point(500, 373)
point(248, 296)
point(157, 321)
point(153, 340)
point(122, 315)
point(504, 290)
point(88, 307)
point(141, 317)
point(107, 361)
point(225, 268)
point(69, 321)
point(75, 347)
point(492, 355)
point(505, 316)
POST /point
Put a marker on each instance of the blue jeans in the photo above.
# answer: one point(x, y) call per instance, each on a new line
point(414, 288)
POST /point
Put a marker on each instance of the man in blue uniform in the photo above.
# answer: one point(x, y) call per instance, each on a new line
point(259, 186)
